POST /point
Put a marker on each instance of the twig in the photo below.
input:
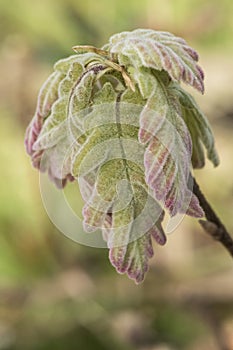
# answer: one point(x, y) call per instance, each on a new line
point(213, 225)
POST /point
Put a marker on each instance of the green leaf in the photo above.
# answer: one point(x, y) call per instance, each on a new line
point(199, 129)
point(119, 201)
point(128, 216)
point(160, 51)
point(168, 151)
point(117, 120)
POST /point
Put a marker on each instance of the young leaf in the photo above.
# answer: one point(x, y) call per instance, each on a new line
point(117, 120)
point(120, 203)
point(168, 153)
point(128, 216)
point(51, 97)
point(199, 129)
point(160, 51)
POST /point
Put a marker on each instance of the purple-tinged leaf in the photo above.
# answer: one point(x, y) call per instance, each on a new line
point(199, 129)
point(159, 51)
point(168, 153)
point(117, 120)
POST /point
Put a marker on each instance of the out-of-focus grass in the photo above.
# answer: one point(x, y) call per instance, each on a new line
point(22, 218)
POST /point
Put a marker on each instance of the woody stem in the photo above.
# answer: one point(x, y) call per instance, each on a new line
point(213, 225)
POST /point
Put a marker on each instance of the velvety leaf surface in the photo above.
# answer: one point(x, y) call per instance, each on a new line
point(168, 152)
point(119, 202)
point(199, 129)
point(116, 120)
point(160, 51)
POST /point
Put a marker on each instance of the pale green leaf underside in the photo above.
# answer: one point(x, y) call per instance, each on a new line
point(199, 129)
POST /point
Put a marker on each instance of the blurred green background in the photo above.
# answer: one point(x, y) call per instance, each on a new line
point(57, 294)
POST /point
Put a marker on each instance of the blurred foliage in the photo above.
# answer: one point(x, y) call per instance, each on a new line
point(56, 294)
point(52, 27)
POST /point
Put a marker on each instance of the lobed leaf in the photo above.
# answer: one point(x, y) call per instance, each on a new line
point(199, 129)
point(119, 202)
point(168, 152)
point(56, 132)
point(117, 120)
point(160, 51)
point(47, 96)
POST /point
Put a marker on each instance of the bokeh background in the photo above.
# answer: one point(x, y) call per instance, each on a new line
point(57, 294)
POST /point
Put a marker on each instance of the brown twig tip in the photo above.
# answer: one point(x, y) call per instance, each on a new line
point(211, 228)
point(213, 225)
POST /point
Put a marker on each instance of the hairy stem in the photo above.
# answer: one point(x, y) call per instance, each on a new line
point(213, 225)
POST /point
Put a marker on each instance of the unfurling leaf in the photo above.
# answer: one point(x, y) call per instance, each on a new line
point(160, 51)
point(199, 129)
point(117, 120)
point(168, 153)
